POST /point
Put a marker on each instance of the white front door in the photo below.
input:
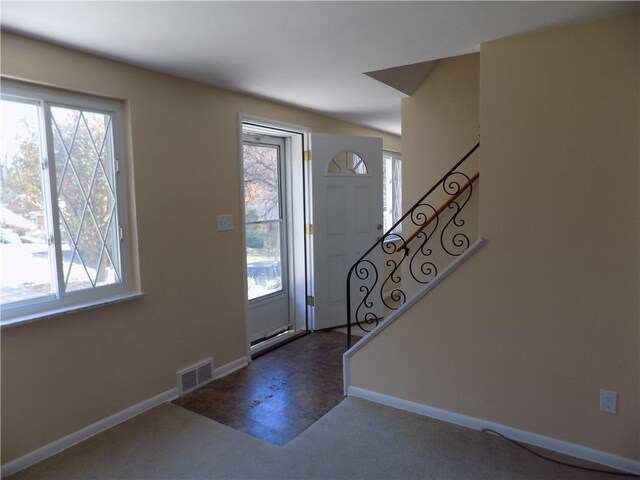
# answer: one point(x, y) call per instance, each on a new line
point(347, 217)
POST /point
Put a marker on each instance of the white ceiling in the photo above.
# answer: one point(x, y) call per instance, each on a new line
point(308, 54)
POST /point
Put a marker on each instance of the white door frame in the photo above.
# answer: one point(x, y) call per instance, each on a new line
point(296, 141)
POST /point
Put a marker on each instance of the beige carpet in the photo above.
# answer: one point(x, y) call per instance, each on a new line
point(356, 440)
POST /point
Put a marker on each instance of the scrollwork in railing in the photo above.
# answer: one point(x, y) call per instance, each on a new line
point(366, 318)
point(418, 256)
point(393, 246)
point(456, 242)
point(421, 267)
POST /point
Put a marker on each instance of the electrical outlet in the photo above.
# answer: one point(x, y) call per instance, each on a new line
point(224, 223)
point(608, 401)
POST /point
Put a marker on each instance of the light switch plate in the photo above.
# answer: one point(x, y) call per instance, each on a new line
point(224, 223)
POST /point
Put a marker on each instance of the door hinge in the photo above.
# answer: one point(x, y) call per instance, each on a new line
point(117, 165)
point(311, 300)
point(44, 164)
point(308, 228)
point(307, 155)
point(50, 240)
point(121, 233)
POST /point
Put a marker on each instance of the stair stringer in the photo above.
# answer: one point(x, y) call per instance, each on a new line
point(346, 357)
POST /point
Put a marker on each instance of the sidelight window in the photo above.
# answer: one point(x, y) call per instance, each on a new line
point(392, 190)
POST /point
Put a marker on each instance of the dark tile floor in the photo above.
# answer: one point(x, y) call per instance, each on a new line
point(281, 393)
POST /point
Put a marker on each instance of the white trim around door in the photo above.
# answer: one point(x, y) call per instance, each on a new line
point(294, 141)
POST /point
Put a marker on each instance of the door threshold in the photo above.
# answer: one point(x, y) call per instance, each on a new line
point(275, 342)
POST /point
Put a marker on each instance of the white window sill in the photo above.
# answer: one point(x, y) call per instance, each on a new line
point(391, 238)
point(56, 312)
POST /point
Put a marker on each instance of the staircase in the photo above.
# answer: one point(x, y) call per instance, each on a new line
point(400, 268)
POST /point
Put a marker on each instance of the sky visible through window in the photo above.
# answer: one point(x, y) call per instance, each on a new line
point(24, 249)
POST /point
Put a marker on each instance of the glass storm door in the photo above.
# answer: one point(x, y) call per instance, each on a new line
point(265, 235)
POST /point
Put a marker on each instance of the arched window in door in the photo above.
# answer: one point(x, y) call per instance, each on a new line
point(346, 163)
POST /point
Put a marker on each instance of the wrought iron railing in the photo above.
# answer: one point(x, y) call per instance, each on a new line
point(382, 276)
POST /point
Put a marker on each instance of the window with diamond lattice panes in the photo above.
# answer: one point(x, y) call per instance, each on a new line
point(83, 148)
point(63, 201)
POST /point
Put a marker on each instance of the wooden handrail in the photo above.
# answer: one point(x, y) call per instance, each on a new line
point(367, 317)
point(443, 208)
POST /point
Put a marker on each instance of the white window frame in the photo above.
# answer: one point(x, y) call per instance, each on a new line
point(394, 156)
point(278, 144)
point(61, 302)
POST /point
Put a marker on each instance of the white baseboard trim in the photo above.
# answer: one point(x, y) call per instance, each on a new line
point(549, 443)
point(84, 433)
point(89, 431)
point(231, 367)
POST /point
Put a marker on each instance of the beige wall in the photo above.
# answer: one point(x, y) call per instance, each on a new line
point(62, 374)
point(529, 330)
point(443, 116)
